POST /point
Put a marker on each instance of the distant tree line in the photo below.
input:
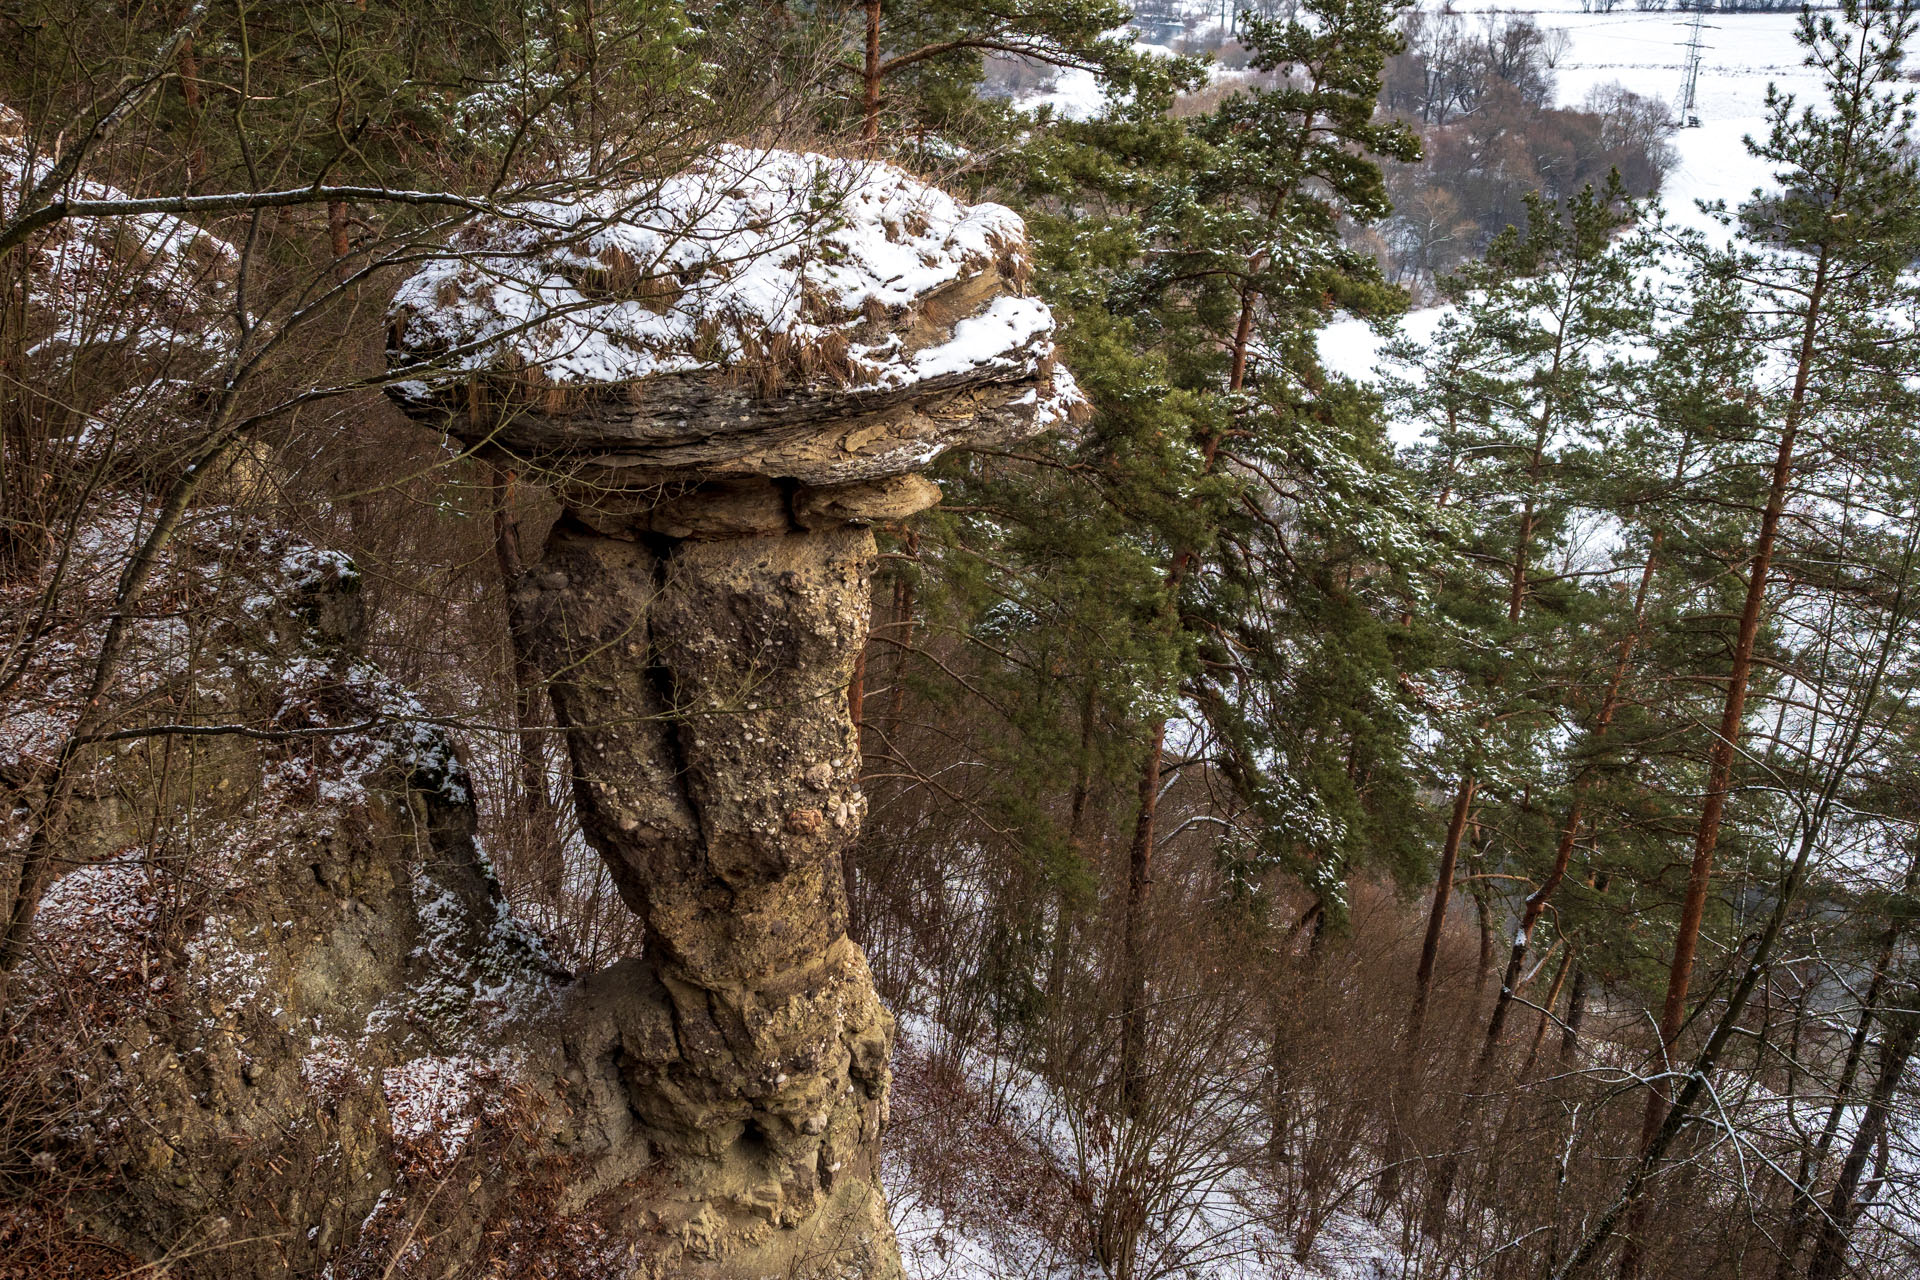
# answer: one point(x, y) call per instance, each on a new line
point(1480, 90)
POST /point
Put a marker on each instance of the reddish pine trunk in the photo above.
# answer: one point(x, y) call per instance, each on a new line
point(1437, 916)
point(1536, 904)
point(1242, 342)
point(1720, 758)
point(1076, 840)
point(1133, 1023)
point(1726, 742)
point(1133, 1036)
point(337, 240)
point(857, 692)
point(1463, 799)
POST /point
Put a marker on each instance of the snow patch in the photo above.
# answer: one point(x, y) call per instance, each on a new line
point(434, 1103)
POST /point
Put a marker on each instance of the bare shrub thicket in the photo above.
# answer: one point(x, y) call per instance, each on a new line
point(1480, 90)
point(1288, 1116)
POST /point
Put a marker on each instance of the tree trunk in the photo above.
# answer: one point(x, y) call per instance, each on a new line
point(1133, 1016)
point(1483, 915)
point(1064, 912)
point(190, 94)
point(856, 712)
point(1536, 904)
point(1696, 1077)
point(1843, 1208)
point(1437, 915)
point(870, 80)
point(1576, 1014)
point(530, 687)
point(1463, 798)
point(1242, 341)
point(1720, 757)
point(1414, 1028)
point(1547, 1005)
point(23, 429)
point(532, 710)
point(337, 240)
point(903, 605)
point(1813, 1158)
point(857, 693)
point(1133, 1029)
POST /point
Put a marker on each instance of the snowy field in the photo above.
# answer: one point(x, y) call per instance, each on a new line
point(1646, 52)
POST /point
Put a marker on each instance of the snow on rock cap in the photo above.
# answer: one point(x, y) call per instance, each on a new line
point(769, 313)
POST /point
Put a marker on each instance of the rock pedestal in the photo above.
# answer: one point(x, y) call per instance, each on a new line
point(704, 688)
point(726, 381)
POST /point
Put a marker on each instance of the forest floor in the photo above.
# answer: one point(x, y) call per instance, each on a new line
point(988, 1177)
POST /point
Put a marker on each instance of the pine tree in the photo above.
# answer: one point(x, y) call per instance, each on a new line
point(1245, 263)
point(1517, 383)
point(1825, 268)
point(1523, 386)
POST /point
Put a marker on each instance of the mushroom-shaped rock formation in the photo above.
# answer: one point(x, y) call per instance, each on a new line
point(727, 377)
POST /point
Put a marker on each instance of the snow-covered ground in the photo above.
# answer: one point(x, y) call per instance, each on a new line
point(991, 1176)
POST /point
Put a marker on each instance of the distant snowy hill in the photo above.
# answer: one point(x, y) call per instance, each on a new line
point(1647, 52)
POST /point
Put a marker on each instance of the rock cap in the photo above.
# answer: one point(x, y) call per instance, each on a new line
point(774, 313)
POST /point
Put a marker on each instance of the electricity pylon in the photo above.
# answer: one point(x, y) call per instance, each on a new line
point(1689, 115)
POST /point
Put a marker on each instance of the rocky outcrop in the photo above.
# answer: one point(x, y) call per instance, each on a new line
point(725, 380)
point(279, 1004)
point(305, 1035)
point(282, 1016)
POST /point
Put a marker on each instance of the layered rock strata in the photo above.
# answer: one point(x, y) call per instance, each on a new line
point(726, 379)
